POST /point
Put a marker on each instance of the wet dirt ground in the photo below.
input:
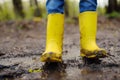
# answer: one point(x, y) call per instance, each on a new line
point(22, 43)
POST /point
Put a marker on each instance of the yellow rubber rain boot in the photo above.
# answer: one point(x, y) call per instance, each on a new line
point(54, 39)
point(88, 28)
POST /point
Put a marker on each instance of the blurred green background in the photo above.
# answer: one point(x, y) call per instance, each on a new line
point(36, 10)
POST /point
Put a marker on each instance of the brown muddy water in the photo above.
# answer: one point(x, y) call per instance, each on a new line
point(22, 43)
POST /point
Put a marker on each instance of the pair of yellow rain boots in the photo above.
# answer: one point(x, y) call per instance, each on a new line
point(55, 30)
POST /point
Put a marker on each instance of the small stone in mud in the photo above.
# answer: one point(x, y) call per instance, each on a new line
point(1, 54)
point(34, 58)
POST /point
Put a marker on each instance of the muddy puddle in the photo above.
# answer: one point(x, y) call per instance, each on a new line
point(20, 50)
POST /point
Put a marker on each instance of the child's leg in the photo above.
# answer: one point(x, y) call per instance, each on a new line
point(55, 6)
point(88, 29)
point(87, 5)
point(55, 27)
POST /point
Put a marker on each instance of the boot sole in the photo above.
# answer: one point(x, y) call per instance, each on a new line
point(50, 57)
point(93, 54)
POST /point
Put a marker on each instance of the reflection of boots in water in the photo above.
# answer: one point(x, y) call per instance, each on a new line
point(53, 71)
point(91, 61)
point(92, 72)
point(88, 28)
point(54, 41)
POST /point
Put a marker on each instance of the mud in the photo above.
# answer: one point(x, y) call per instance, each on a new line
point(22, 43)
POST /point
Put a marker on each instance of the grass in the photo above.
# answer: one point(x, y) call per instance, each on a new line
point(6, 11)
point(113, 15)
